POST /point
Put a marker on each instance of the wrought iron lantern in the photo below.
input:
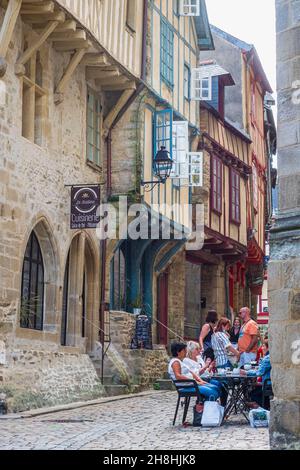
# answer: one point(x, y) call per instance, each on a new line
point(162, 166)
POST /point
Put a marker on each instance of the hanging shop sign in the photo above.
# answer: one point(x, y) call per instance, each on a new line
point(85, 201)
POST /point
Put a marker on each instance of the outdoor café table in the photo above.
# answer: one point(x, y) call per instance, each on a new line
point(238, 388)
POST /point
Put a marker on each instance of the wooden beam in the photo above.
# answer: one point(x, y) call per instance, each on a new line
point(126, 86)
point(117, 108)
point(202, 257)
point(37, 8)
point(37, 44)
point(7, 28)
point(96, 72)
point(74, 62)
point(121, 80)
point(42, 20)
point(65, 26)
point(71, 45)
point(96, 60)
point(68, 36)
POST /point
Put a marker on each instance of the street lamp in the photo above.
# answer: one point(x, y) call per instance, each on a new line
point(162, 166)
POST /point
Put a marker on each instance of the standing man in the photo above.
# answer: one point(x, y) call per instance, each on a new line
point(248, 339)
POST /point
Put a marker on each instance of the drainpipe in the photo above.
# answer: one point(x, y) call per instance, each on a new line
point(139, 89)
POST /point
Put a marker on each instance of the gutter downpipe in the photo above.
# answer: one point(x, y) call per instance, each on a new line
point(103, 244)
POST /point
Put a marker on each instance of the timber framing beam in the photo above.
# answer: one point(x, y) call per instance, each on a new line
point(38, 43)
point(7, 29)
point(96, 60)
point(73, 64)
point(115, 111)
point(202, 257)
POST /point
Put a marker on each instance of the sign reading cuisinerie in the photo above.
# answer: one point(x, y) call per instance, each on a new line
point(85, 201)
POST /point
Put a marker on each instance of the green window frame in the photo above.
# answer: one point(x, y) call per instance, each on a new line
point(93, 128)
point(167, 53)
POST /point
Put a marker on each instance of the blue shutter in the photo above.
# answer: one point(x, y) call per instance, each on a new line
point(215, 93)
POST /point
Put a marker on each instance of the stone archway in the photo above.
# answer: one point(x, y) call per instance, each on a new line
point(44, 234)
point(79, 319)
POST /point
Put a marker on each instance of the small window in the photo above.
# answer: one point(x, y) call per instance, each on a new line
point(189, 7)
point(255, 187)
point(196, 169)
point(167, 52)
point(187, 81)
point(235, 192)
point(131, 15)
point(33, 95)
point(163, 131)
point(201, 86)
point(32, 297)
point(180, 149)
point(176, 7)
point(93, 128)
point(216, 184)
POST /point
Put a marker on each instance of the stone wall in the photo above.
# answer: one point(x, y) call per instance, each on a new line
point(38, 378)
point(33, 195)
point(284, 269)
point(177, 296)
point(134, 367)
point(213, 289)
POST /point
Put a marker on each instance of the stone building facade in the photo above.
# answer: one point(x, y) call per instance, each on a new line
point(55, 117)
point(77, 105)
point(284, 274)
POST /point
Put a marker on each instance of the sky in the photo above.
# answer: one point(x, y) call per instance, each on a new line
point(252, 21)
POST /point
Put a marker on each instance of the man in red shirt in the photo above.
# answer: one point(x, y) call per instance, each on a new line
point(248, 340)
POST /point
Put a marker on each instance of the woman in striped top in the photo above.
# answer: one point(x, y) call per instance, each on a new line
point(222, 345)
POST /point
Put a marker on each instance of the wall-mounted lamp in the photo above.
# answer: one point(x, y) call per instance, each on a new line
point(162, 166)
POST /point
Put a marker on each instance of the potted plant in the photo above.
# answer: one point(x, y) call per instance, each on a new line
point(137, 305)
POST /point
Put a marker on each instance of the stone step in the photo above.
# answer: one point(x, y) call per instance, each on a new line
point(115, 390)
point(164, 384)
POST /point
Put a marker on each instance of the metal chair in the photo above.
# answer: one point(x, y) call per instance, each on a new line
point(186, 390)
point(267, 393)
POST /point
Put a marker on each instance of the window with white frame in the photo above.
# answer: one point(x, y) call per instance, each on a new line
point(195, 169)
point(189, 7)
point(201, 87)
point(180, 146)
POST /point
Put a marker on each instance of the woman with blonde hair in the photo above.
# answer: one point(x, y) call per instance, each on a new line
point(194, 362)
point(194, 359)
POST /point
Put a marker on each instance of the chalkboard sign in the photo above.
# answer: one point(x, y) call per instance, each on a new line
point(143, 333)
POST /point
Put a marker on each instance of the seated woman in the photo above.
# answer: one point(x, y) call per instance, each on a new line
point(194, 360)
point(179, 371)
point(264, 371)
point(222, 345)
point(196, 364)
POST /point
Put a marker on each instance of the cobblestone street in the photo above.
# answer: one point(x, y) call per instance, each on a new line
point(143, 422)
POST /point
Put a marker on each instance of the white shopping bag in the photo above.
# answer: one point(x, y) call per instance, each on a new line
point(213, 414)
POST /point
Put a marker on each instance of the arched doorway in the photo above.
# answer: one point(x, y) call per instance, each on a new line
point(79, 322)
